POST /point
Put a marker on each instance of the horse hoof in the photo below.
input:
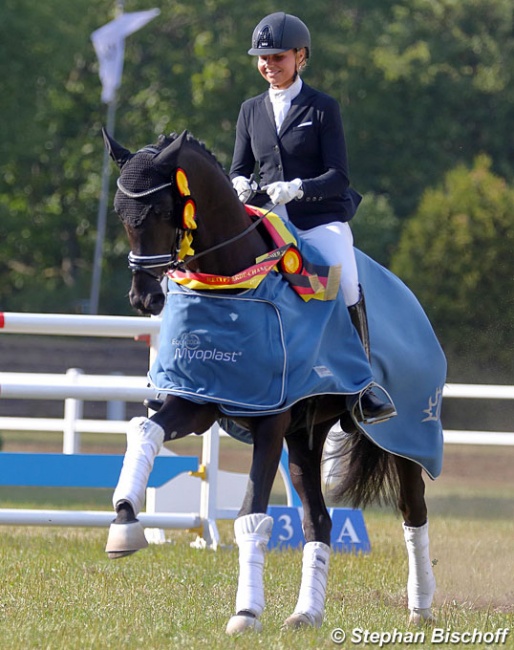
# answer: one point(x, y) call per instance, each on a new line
point(239, 624)
point(419, 617)
point(297, 621)
point(125, 539)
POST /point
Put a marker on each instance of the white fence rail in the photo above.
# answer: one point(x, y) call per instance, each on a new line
point(74, 387)
point(79, 325)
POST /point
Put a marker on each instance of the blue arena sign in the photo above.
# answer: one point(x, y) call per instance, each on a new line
point(349, 534)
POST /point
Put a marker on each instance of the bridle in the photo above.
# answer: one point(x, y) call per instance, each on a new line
point(180, 194)
point(147, 263)
point(171, 261)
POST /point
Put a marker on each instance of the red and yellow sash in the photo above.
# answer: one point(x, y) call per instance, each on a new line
point(310, 281)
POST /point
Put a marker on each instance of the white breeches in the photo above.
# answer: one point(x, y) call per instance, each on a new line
point(335, 242)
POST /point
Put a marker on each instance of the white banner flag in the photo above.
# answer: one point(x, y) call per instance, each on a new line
point(109, 44)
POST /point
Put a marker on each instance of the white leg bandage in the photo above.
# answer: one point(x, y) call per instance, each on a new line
point(144, 442)
point(252, 536)
point(311, 599)
point(421, 581)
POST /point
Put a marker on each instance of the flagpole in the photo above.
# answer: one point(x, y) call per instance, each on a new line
point(94, 298)
point(109, 43)
point(102, 215)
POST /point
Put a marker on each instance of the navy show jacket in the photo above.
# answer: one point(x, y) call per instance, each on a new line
point(310, 145)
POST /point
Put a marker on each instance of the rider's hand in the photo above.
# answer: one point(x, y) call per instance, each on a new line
point(282, 192)
point(243, 188)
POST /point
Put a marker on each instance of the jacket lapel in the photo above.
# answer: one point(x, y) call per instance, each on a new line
point(271, 115)
point(299, 106)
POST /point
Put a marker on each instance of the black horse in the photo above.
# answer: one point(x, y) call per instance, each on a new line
point(182, 216)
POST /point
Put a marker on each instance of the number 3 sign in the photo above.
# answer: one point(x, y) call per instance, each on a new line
point(349, 532)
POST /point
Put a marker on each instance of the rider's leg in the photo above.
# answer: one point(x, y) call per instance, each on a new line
point(374, 409)
point(335, 242)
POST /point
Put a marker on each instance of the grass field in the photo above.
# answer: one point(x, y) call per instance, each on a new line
point(59, 591)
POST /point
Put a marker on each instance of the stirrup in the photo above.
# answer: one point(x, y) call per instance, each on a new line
point(354, 404)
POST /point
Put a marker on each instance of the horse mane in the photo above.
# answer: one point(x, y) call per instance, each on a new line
point(135, 212)
point(165, 140)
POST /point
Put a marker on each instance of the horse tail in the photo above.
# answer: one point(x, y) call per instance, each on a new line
point(362, 473)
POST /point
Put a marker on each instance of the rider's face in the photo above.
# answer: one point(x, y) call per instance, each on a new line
point(279, 69)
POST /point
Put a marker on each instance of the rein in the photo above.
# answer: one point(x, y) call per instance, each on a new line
point(245, 232)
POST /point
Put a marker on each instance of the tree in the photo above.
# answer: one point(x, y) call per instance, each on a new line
point(423, 84)
point(456, 255)
point(49, 169)
point(376, 228)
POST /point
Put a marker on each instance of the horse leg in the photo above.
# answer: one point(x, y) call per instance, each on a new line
point(421, 581)
point(253, 526)
point(145, 437)
point(305, 470)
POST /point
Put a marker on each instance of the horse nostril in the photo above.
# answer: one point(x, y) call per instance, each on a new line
point(137, 303)
point(150, 304)
point(154, 303)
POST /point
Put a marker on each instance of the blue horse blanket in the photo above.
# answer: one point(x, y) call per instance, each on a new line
point(407, 359)
point(262, 350)
point(258, 352)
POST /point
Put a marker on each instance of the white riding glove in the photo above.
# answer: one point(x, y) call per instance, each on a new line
point(243, 188)
point(282, 192)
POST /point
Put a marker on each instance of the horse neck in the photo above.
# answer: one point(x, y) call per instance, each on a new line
point(220, 217)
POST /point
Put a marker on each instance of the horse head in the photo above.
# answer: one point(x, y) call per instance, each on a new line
point(155, 203)
point(149, 192)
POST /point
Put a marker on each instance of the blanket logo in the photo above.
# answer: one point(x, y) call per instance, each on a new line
point(435, 403)
point(189, 347)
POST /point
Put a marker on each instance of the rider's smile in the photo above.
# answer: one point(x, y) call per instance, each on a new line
point(279, 70)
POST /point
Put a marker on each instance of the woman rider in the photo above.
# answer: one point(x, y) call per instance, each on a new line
point(295, 135)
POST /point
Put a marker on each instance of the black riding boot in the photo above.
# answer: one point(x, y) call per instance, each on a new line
point(372, 409)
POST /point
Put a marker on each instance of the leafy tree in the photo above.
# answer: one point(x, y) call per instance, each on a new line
point(423, 85)
point(49, 168)
point(456, 255)
point(376, 228)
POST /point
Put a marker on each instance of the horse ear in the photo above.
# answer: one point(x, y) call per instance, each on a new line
point(167, 160)
point(119, 154)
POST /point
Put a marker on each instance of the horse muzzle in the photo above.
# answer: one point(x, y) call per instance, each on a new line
point(146, 294)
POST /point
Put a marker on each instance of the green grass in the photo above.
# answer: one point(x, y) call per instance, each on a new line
point(58, 590)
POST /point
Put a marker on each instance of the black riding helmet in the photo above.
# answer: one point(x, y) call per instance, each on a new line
point(280, 32)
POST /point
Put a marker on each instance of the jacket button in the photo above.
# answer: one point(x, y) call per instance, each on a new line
point(275, 148)
point(279, 167)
